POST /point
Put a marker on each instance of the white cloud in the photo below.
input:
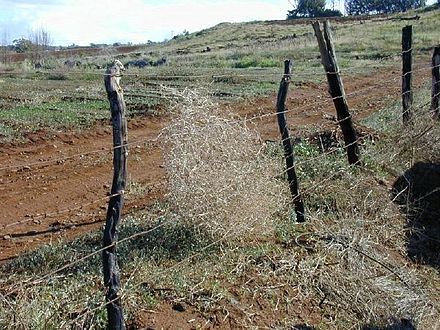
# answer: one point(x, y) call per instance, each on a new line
point(107, 21)
point(86, 21)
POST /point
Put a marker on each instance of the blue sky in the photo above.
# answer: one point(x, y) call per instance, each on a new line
point(106, 21)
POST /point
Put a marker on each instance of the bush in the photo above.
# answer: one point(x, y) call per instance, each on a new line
point(252, 62)
point(219, 177)
point(57, 76)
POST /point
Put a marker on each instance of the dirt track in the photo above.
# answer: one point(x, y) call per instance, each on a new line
point(56, 188)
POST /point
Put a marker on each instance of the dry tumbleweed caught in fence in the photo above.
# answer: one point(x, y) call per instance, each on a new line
point(219, 175)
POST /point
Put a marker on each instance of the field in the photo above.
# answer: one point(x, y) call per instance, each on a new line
point(208, 238)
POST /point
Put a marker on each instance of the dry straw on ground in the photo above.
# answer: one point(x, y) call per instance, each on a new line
point(360, 263)
point(219, 175)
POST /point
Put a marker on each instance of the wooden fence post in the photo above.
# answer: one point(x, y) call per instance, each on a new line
point(407, 97)
point(336, 89)
point(287, 144)
point(110, 265)
point(435, 94)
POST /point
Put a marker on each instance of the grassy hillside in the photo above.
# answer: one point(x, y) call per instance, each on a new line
point(245, 60)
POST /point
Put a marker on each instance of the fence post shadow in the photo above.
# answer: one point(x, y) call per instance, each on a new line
point(417, 191)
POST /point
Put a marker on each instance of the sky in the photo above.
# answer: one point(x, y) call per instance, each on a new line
point(82, 22)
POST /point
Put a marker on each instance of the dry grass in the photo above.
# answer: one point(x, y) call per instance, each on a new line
point(359, 268)
point(348, 267)
point(219, 175)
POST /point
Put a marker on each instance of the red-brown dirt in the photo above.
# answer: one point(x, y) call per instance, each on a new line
point(56, 188)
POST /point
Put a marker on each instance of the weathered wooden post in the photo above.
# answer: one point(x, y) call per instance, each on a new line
point(435, 93)
point(287, 144)
point(336, 89)
point(110, 265)
point(407, 97)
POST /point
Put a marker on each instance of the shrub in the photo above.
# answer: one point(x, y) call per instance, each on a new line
point(219, 177)
point(57, 76)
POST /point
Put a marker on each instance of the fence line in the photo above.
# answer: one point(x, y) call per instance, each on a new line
point(305, 73)
point(41, 278)
point(315, 186)
point(302, 107)
point(155, 140)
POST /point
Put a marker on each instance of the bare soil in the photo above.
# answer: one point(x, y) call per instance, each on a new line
point(56, 188)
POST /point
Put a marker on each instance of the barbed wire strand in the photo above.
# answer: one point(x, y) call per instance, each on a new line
point(37, 217)
point(131, 237)
point(302, 73)
point(302, 107)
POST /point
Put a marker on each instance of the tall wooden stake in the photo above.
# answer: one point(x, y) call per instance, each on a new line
point(110, 265)
point(287, 144)
point(435, 94)
point(336, 89)
point(407, 97)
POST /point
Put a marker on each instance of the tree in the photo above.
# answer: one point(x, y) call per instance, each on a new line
point(36, 45)
point(22, 45)
point(359, 7)
point(4, 49)
point(307, 8)
point(41, 41)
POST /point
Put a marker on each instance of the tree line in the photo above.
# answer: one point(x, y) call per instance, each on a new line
point(359, 7)
point(316, 8)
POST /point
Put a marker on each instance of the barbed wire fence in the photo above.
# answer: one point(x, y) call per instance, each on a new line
point(42, 278)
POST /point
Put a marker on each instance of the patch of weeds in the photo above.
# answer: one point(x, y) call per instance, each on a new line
point(170, 241)
point(254, 62)
point(305, 150)
point(56, 115)
point(246, 62)
point(57, 76)
point(7, 133)
point(380, 120)
point(89, 76)
point(264, 87)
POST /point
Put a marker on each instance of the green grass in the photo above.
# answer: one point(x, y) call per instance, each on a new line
point(53, 116)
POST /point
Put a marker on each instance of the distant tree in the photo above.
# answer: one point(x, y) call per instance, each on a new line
point(36, 45)
point(359, 7)
point(307, 8)
point(4, 49)
point(40, 44)
point(22, 45)
point(329, 13)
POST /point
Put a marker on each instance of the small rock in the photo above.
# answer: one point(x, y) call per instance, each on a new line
point(6, 237)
